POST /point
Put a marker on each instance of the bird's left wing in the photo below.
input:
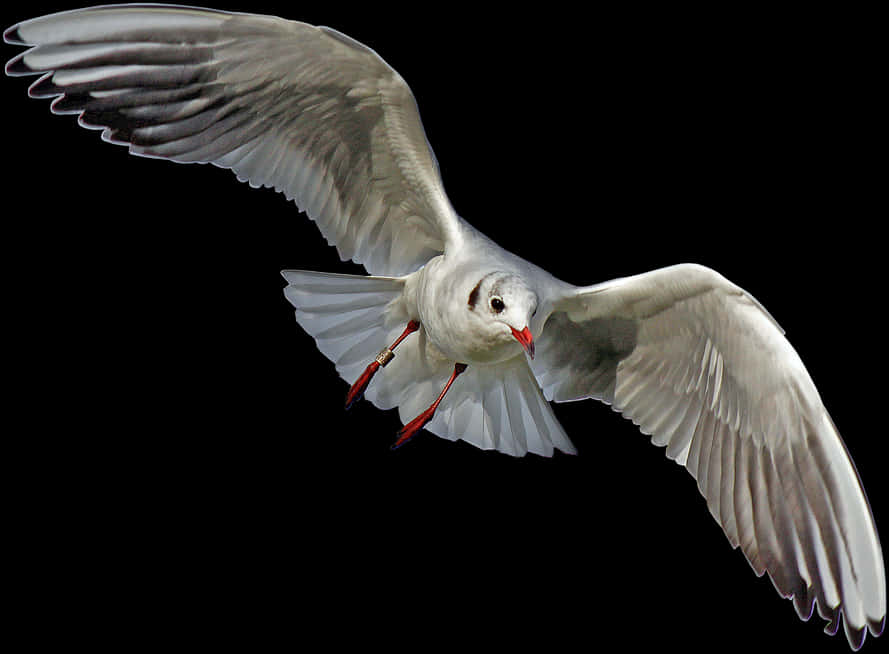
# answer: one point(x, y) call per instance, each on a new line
point(303, 109)
point(699, 365)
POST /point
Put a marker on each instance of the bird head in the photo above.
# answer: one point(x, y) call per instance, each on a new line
point(505, 304)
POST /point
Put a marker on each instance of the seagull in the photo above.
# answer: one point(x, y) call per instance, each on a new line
point(467, 340)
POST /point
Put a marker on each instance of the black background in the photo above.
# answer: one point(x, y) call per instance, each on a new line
point(181, 434)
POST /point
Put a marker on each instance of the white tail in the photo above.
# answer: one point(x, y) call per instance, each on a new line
point(353, 317)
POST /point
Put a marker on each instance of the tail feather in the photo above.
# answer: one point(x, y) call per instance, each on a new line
point(500, 408)
point(352, 318)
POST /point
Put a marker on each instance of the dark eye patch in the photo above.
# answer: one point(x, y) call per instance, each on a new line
point(473, 296)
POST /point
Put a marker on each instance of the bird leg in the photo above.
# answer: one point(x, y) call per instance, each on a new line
point(410, 429)
point(385, 356)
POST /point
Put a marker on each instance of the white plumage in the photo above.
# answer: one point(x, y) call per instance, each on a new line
point(691, 358)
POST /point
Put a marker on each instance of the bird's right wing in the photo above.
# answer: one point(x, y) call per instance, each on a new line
point(303, 109)
point(699, 365)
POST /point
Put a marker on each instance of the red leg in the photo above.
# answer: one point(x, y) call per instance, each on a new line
point(410, 429)
point(385, 356)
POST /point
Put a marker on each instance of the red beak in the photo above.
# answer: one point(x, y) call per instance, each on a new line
point(525, 340)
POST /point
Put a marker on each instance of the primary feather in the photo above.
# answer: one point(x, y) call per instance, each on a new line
point(302, 109)
point(697, 363)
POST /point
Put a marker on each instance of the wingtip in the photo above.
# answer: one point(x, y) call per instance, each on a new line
point(44, 88)
point(16, 67)
point(832, 616)
point(854, 635)
point(11, 35)
point(804, 603)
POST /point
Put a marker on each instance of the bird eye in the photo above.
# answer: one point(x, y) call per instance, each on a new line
point(497, 304)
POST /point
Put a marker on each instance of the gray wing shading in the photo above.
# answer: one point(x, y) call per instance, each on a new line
point(303, 109)
point(699, 365)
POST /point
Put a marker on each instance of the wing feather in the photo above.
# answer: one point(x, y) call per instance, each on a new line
point(701, 367)
point(301, 109)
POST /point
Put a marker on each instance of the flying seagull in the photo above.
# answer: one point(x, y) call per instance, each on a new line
point(468, 340)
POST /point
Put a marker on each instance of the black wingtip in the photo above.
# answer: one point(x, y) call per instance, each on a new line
point(854, 636)
point(804, 603)
point(832, 617)
point(11, 35)
point(44, 88)
point(16, 67)
point(877, 626)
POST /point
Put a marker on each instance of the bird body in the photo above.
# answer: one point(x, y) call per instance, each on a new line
point(466, 339)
